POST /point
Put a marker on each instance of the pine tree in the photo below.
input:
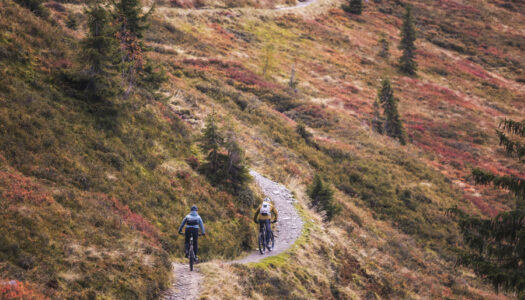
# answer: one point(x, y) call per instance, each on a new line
point(377, 121)
point(98, 51)
point(496, 247)
point(236, 170)
point(132, 24)
point(212, 141)
point(303, 132)
point(393, 125)
point(322, 198)
point(354, 7)
point(407, 63)
point(385, 47)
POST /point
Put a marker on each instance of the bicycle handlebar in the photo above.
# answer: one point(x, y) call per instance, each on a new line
point(182, 233)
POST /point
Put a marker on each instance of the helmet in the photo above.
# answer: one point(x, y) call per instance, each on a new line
point(266, 199)
point(193, 208)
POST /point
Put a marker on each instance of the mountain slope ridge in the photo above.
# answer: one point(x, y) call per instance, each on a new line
point(125, 171)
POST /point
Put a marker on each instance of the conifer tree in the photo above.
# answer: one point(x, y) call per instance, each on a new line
point(98, 51)
point(212, 141)
point(384, 47)
point(377, 121)
point(303, 132)
point(393, 125)
point(354, 7)
point(236, 170)
point(496, 247)
point(407, 63)
point(322, 198)
point(132, 23)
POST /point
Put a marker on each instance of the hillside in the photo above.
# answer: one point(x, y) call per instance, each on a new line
point(93, 192)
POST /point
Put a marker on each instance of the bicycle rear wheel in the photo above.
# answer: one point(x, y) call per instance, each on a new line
point(262, 242)
point(271, 241)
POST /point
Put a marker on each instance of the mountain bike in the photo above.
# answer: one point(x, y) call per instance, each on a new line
point(191, 253)
point(265, 239)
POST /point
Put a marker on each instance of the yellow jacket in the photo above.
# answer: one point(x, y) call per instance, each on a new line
point(273, 213)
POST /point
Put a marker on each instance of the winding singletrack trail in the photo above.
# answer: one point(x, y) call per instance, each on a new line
point(288, 229)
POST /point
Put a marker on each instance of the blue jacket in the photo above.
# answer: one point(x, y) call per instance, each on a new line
point(192, 220)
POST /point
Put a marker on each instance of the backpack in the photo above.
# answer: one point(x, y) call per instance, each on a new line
point(266, 209)
point(192, 220)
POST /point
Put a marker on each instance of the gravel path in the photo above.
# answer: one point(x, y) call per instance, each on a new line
point(288, 229)
point(289, 225)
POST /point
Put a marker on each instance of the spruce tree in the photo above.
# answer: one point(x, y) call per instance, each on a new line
point(132, 24)
point(211, 142)
point(393, 125)
point(384, 47)
point(354, 7)
point(303, 132)
point(407, 63)
point(377, 121)
point(98, 51)
point(496, 247)
point(235, 167)
point(322, 198)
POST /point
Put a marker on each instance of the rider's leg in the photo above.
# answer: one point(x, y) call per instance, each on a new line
point(268, 226)
point(262, 225)
point(195, 233)
point(187, 241)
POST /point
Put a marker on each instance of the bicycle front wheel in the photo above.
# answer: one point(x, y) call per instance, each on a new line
point(192, 259)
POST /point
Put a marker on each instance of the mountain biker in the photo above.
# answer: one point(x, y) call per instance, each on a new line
point(192, 221)
point(263, 215)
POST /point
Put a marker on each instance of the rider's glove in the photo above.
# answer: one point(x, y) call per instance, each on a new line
point(180, 232)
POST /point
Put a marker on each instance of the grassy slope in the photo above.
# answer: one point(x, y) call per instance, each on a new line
point(393, 238)
point(92, 193)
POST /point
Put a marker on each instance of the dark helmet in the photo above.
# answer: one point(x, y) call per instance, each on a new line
point(193, 208)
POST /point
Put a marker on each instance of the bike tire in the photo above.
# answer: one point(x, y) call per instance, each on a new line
point(192, 260)
point(191, 256)
point(261, 243)
point(271, 240)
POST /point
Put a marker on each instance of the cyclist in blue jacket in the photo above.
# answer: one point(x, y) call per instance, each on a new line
point(192, 221)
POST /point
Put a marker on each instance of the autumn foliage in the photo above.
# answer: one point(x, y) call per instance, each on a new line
point(16, 290)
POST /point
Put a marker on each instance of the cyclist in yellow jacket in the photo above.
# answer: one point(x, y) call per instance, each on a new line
point(263, 215)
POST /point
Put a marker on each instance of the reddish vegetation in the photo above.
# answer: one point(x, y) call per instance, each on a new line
point(14, 289)
point(233, 71)
point(18, 188)
point(134, 220)
point(225, 34)
point(451, 5)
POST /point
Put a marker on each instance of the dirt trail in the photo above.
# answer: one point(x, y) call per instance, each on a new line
point(288, 229)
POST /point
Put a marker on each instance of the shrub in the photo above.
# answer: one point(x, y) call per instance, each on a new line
point(322, 198)
point(354, 7)
point(18, 290)
point(35, 6)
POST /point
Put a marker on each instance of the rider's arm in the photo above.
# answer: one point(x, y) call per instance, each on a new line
point(275, 213)
point(182, 224)
point(256, 214)
point(201, 225)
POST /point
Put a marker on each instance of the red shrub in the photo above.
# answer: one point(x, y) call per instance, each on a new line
point(19, 290)
point(134, 220)
point(18, 188)
point(218, 28)
point(234, 71)
point(193, 162)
